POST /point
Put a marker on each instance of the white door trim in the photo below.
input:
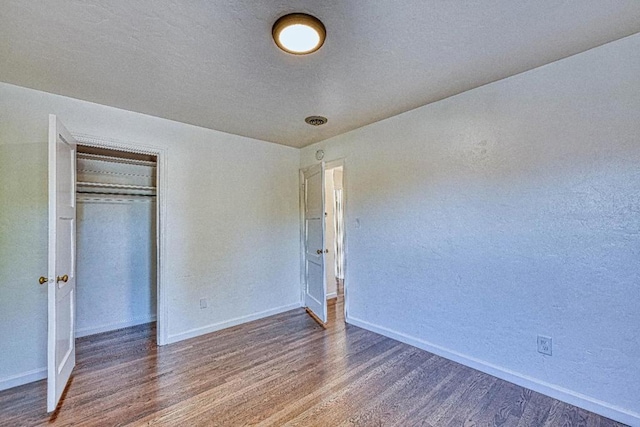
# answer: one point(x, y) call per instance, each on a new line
point(161, 192)
point(302, 245)
point(345, 195)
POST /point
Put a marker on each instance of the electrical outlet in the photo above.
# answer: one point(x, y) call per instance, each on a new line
point(544, 345)
point(203, 303)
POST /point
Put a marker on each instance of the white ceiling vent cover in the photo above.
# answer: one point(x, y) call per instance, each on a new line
point(316, 120)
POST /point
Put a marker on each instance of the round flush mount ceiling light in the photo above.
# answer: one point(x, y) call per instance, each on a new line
point(299, 33)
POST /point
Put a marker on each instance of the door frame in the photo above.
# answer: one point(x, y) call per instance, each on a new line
point(161, 189)
point(332, 164)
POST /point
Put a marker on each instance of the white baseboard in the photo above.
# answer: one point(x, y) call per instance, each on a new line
point(229, 323)
point(23, 378)
point(113, 326)
point(332, 295)
point(586, 402)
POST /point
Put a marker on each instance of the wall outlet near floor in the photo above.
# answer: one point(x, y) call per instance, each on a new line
point(203, 303)
point(544, 345)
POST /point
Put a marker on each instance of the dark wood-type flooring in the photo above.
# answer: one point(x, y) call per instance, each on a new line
point(283, 370)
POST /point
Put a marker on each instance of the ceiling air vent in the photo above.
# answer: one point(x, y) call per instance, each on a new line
point(316, 120)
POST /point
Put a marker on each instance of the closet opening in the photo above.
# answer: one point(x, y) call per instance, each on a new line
point(116, 240)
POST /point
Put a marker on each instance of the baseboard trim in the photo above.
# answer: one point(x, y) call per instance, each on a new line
point(229, 323)
point(557, 392)
point(332, 295)
point(23, 378)
point(113, 326)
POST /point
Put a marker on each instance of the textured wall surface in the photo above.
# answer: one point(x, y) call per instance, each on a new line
point(231, 222)
point(480, 221)
point(23, 254)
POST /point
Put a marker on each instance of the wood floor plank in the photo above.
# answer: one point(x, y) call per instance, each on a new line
point(495, 406)
point(394, 400)
point(536, 411)
point(281, 371)
point(358, 391)
point(460, 414)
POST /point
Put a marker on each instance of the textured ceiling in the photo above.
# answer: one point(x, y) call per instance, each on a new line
point(214, 64)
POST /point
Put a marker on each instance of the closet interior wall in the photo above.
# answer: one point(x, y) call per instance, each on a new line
point(116, 240)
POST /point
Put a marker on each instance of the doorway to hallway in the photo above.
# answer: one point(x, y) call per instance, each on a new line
point(323, 254)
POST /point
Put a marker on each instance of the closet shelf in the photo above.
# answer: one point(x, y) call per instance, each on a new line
point(120, 186)
point(111, 159)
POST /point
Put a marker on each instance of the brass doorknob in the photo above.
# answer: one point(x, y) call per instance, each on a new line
point(42, 280)
point(62, 279)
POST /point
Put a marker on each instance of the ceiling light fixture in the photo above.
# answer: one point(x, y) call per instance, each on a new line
point(299, 33)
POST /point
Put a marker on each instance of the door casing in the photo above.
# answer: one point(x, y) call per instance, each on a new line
point(341, 162)
point(161, 162)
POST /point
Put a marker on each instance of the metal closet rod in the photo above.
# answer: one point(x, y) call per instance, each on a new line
point(115, 194)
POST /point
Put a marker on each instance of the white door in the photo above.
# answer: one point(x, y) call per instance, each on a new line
point(315, 286)
point(62, 260)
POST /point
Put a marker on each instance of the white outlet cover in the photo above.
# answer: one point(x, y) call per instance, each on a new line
point(544, 345)
point(203, 303)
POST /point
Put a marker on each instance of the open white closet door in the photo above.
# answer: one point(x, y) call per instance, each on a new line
point(315, 286)
point(62, 260)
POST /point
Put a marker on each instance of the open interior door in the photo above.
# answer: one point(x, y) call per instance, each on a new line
point(315, 286)
point(62, 260)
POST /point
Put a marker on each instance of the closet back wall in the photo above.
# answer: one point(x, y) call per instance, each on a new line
point(116, 263)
